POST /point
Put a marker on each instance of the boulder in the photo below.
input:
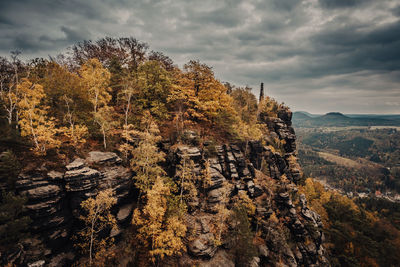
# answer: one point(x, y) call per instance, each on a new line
point(124, 212)
point(203, 246)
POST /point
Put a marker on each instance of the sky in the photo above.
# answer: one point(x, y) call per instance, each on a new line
point(314, 55)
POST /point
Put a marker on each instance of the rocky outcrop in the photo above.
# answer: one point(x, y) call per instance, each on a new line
point(53, 203)
point(268, 175)
point(265, 173)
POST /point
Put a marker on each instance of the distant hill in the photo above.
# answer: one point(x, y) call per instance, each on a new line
point(337, 119)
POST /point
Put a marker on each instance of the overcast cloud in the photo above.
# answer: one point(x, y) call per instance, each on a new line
point(314, 55)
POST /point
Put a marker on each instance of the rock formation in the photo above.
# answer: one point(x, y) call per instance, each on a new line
point(54, 199)
point(266, 174)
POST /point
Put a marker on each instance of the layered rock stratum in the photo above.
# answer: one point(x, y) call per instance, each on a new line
point(267, 175)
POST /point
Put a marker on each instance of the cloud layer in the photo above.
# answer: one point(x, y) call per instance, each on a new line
point(319, 56)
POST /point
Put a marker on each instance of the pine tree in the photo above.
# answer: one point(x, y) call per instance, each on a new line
point(12, 223)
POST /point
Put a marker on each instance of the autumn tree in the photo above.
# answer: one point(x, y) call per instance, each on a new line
point(95, 79)
point(186, 179)
point(126, 96)
point(245, 103)
point(125, 51)
point(104, 119)
point(75, 132)
point(146, 155)
point(182, 101)
point(58, 83)
point(159, 230)
point(34, 122)
point(155, 84)
point(222, 213)
point(9, 80)
point(97, 218)
point(214, 105)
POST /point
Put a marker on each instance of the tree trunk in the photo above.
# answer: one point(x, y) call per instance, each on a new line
point(104, 138)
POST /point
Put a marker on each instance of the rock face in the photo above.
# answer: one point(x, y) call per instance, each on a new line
point(233, 172)
point(53, 203)
point(264, 173)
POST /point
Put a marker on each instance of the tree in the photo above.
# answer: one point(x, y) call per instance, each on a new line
point(9, 81)
point(182, 101)
point(58, 83)
point(12, 223)
point(9, 168)
point(129, 89)
point(96, 79)
point(125, 50)
point(103, 118)
point(245, 103)
point(155, 85)
point(34, 122)
point(159, 230)
point(213, 106)
point(187, 179)
point(146, 156)
point(75, 132)
point(241, 237)
point(97, 218)
point(222, 213)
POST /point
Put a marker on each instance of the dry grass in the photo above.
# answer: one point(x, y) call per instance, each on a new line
point(340, 160)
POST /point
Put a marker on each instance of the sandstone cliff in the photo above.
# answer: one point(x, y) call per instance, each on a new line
point(266, 173)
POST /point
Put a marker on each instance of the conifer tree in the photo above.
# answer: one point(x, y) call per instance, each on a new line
point(12, 223)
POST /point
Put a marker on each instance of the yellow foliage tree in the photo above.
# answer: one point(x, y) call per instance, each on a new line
point(75, 132)
point(161, 232)
point(187, 179)
point(213, 106)
point(34, 122)
point(96, 79)
point(97, 218)
point(146, 156)
point(222, 213)
point(103, 118)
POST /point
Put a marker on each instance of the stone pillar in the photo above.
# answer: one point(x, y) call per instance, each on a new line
point(261, 92)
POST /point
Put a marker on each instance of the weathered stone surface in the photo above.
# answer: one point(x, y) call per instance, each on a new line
point(55, 175)
point(53, 203)
point(99, 157)
point(263, 251)
point(203, 245)
point(193, 153)
point(76, 164)
point(124, 212)
point(37, 264)
point(220, 259)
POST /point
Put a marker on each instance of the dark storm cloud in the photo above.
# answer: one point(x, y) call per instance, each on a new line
point(342, 3)
point(316, 55)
